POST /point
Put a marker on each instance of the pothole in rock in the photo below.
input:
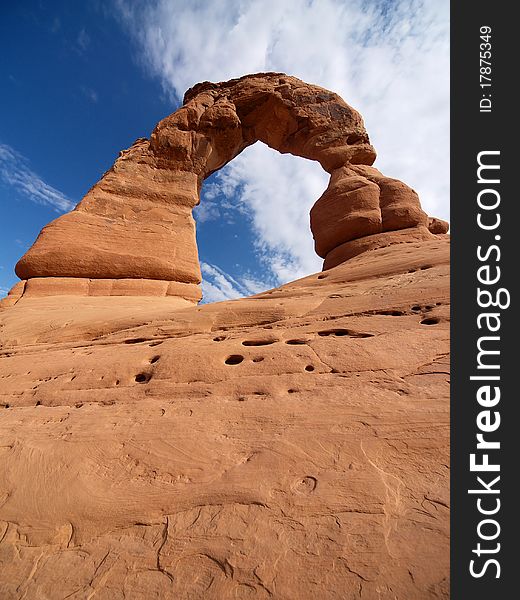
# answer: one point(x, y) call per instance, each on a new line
point(143, 377)
point(234, 359)
point(264, 342)
point(343, 333)
point(430, 321)
point(305, 486)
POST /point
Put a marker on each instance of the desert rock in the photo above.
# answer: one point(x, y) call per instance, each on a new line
point(137, 223)
point(438, 226)
point(292, 445)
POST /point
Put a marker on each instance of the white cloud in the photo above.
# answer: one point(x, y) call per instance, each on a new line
point(217, 285)
point(278, 191)
point(206, 211)
point(15, 171)
point(390, 60)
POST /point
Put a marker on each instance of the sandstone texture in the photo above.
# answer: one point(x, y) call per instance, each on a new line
point(293, 445)
point(136, 223)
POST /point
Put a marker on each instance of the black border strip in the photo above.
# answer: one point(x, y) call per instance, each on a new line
point(475, 131)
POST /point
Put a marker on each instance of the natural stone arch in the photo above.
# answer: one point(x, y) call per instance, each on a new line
point(285, 113)
point(133, 233)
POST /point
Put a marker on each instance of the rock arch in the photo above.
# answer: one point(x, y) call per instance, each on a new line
point(133, 233)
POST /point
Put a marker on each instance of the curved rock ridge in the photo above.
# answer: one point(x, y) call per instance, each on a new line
point(136, 223)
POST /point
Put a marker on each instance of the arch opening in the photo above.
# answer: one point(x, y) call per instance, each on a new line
point(252, 223)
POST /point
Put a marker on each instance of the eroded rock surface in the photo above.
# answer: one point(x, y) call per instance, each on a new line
point(292, 445)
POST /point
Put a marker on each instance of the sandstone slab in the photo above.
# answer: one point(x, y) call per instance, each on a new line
point(294, 444)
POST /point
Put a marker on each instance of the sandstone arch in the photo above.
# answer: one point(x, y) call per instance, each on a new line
point(134, 234)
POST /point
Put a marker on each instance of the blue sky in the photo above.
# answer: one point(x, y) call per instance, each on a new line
point(83, 80)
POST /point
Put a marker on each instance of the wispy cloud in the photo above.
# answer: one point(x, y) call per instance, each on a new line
point(207, 211)
point(15, 172)
point(90, 94)
point(277, 191)
point(217, 285)
point(83, 40)
point(388, 59)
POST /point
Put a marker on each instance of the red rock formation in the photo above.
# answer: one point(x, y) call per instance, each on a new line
point(291, 445)
point(136, 222)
